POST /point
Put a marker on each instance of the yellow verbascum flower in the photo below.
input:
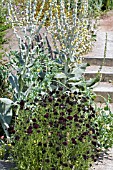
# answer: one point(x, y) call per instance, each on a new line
point(38, 70)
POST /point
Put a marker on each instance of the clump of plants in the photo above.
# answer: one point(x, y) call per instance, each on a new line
point(50, 121)
point(59, 133)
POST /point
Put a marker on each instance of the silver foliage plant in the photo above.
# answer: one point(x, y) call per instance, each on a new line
point(67, 30)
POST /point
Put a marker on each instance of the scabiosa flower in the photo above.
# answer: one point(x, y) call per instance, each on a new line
point(69, 110)
point(29, 130)
point(60, 88)
point(50, 99)
point(62, 106)
point(57, 148)
point(56, 104)
point(70, 117)
point(55, 112)
point(59, 100)
point(22, 103)
point(40, 144)
point(35, 126)
point(50, 124)
point(62, 113)
point(63, 96)
point(17, 137)
point(65, 143)
point(65, 164)
point(59, 155)
point(46, 115)
point(34, 120)
point(62, 120)
point(73, 141)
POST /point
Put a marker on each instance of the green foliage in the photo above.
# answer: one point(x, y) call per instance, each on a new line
point(5, 114)
point(57, 133)
point(3, 26)
point(54, 125)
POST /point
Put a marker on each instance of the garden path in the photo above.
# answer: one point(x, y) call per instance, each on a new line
point(106, 85)
point(95, 58)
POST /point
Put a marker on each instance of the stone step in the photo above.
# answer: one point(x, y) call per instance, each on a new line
point(103, 90)
point(106, 71)
point(103, 105)
point(98, 60)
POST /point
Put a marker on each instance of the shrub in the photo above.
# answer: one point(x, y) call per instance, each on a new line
point(58, 133)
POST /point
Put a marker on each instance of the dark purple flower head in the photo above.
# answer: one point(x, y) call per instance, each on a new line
point(17, 137)
point(62, 106)
point(60, 88)
point(35, 125)
point(59, 100)
point(62, 113)
point(46, 115)
point(22, 103)
point(59, 155)
point(73, 141)
point(69, 110)
point(34, 119)
point(40, 144)
point(50, 99)
point(63, 96)
point(29, 131)
point(56, 104)
point(62, 119)
point(65, 143)
point(55, 112)
point(70, 117)
point(50, 124)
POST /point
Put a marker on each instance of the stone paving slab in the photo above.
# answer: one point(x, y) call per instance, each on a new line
point(6, 165)
point(105, 162)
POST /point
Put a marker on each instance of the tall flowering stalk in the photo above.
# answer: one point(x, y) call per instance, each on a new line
point(69, 30)
point(22, 61)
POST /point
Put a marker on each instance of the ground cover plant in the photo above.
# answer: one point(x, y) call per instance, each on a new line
point(50, 121)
